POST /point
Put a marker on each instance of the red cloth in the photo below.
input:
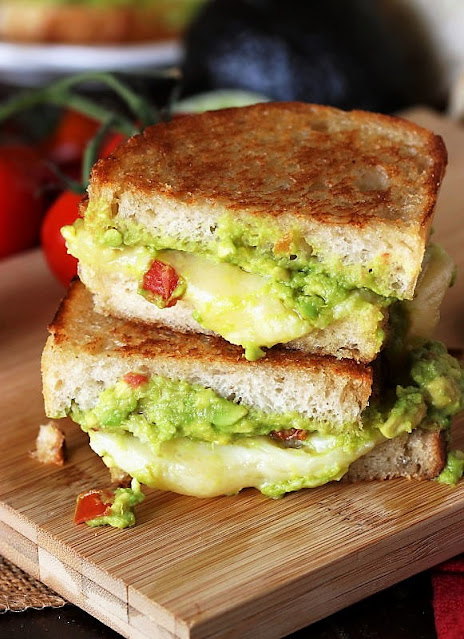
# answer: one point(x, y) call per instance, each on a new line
point(448, 598)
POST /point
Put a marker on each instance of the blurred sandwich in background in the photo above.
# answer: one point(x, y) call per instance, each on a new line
point(94, 21)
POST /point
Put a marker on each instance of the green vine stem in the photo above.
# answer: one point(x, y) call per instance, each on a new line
point(59, 94)
point(92, 149)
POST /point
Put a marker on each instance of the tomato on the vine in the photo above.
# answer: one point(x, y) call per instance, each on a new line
point(113, 141)
point(63, 211)
point(21, 198)
point(70, 138)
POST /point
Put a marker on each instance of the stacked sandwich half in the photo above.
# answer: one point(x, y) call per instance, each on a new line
point(257, 298)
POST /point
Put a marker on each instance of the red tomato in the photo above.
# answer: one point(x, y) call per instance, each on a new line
point(63, 211)
point(289, 434)
point(21, 198)
point(111, 144)
point(135, 379)
point(68, 141)
point(160, 282)
point(93, 503)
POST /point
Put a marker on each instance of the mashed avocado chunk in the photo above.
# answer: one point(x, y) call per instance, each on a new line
point(159, 429)
point(406, 413)
point(256, 245)
point(161, 409)
point(431, 394)
point(454, 468)
point(440, 378)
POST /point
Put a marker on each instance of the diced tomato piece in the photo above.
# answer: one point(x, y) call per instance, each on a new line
point(161, 280)
point(135, 379)
point(93, 503)
point(289, 434)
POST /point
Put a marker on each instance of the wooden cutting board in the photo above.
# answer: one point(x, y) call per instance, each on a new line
point(243, 566)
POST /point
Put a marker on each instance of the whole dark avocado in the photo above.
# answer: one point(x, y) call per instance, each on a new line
point(336, 52)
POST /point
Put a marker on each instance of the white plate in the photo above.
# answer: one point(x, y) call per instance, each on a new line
point(31, 64)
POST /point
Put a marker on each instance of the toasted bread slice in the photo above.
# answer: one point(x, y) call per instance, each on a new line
point(87, 352)
point(32, 22)
point(318, 203)
point(355, 190)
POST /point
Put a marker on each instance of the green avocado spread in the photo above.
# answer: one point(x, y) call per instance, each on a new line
point(251, 285)
point(430, 394)
point(158, 410)
point(121, 514)
point(254, 294)
point(454, 468)
point(162, 409)
point(256, 246)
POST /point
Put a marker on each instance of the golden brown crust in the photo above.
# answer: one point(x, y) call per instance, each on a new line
point(344, 168)
point(439, 448)
point(74, 24)
point(77, 325)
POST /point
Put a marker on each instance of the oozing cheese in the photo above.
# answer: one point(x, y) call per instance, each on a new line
point(236, 304)
point(224, 298)
point(435, 279)
point(193, 467)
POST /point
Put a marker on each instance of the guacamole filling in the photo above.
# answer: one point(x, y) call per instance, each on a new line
point(251, 287)
point(454, 468)
point(121, 511)
point(248, 284)
point(255, 245)
point(174, 435)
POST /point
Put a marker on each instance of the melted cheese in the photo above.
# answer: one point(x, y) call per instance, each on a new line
point(224, 298)
point(435, 279)
point(201, 469)
point(236, 304)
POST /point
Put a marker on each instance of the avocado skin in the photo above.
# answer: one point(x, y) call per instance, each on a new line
point(335, 53)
